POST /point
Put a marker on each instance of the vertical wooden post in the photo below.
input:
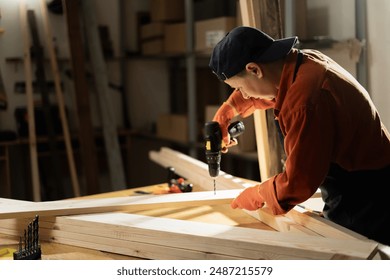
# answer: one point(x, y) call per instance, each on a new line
point(265, 15)
point(30, 105)
point(60, 99)
point(99, 68)
point(52, 190)
point(86, 133)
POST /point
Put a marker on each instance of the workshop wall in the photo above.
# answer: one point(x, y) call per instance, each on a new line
point(337, 19)
point(149, 81)
point(11, 46)
point(378, 56)
point(325, 18)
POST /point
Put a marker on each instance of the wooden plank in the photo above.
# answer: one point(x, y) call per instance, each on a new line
point(260, 118)
point(52, 190)
point(10, 226)
point(161, 238)
point(60, 99)
point(197, 172)
point(269, 149)
point(30, 104)
point(116, 229)
point(217, 239)
point(86, 134)
point(99, 67)
point(81, 237)
point(135, 203)
point(322, 226)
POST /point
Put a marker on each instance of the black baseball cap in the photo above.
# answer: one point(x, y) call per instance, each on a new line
point(245, 44)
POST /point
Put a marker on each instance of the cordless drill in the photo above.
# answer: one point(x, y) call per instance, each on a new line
point(214, 144)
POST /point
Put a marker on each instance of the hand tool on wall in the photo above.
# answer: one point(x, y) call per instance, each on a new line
point(214, 144)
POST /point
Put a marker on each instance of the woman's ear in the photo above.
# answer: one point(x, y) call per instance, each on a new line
point(254, 69)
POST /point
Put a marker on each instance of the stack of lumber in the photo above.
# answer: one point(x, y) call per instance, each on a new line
point(162, 238)
point(107, 225)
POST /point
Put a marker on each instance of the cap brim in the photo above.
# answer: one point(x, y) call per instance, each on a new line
point(278, 49)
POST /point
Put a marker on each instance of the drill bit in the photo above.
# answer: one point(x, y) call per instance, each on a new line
point(214, 188)
point(31, 249)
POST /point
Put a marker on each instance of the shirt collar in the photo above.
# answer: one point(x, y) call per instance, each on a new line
point(286, 79)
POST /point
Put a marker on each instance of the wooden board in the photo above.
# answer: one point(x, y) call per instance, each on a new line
point(52, 190)
point(92, 238)
point(57, 251)
point(89, 158)
point(161, 238)
point(135, 203)
point(36, 185)
point(60, 99)
point(269, 149)
point(196, 172)
point(106, 108)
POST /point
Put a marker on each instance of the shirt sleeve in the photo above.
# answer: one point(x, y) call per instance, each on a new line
point(246, 106)
point(308, 158)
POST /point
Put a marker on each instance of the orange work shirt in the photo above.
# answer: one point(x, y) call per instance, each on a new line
point(326, 117)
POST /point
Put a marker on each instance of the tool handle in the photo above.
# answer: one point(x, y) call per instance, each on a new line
point(236, 128)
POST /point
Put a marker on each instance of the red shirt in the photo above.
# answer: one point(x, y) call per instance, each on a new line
point(326, 117)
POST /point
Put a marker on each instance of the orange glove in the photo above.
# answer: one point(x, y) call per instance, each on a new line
point(235, 105)
point(223, 116)
point(248, 199)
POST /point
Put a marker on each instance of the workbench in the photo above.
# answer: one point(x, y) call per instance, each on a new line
point(217, 214)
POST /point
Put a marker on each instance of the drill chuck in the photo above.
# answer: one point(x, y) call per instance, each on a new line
point(213, 143)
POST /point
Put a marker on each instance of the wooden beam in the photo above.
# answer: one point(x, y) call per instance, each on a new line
point(52, 190)
point(86, 134)
point(99, 68)
point(269, 149)
point(103, 241)
point(151, 237)
point(322, 226)
point(134, 203)
point(197, 171)
point(30, 105)
point(60, 99)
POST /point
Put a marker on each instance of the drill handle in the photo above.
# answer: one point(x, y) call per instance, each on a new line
point(236, 128)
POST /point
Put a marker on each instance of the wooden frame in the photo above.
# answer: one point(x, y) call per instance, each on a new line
point(162, 238)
